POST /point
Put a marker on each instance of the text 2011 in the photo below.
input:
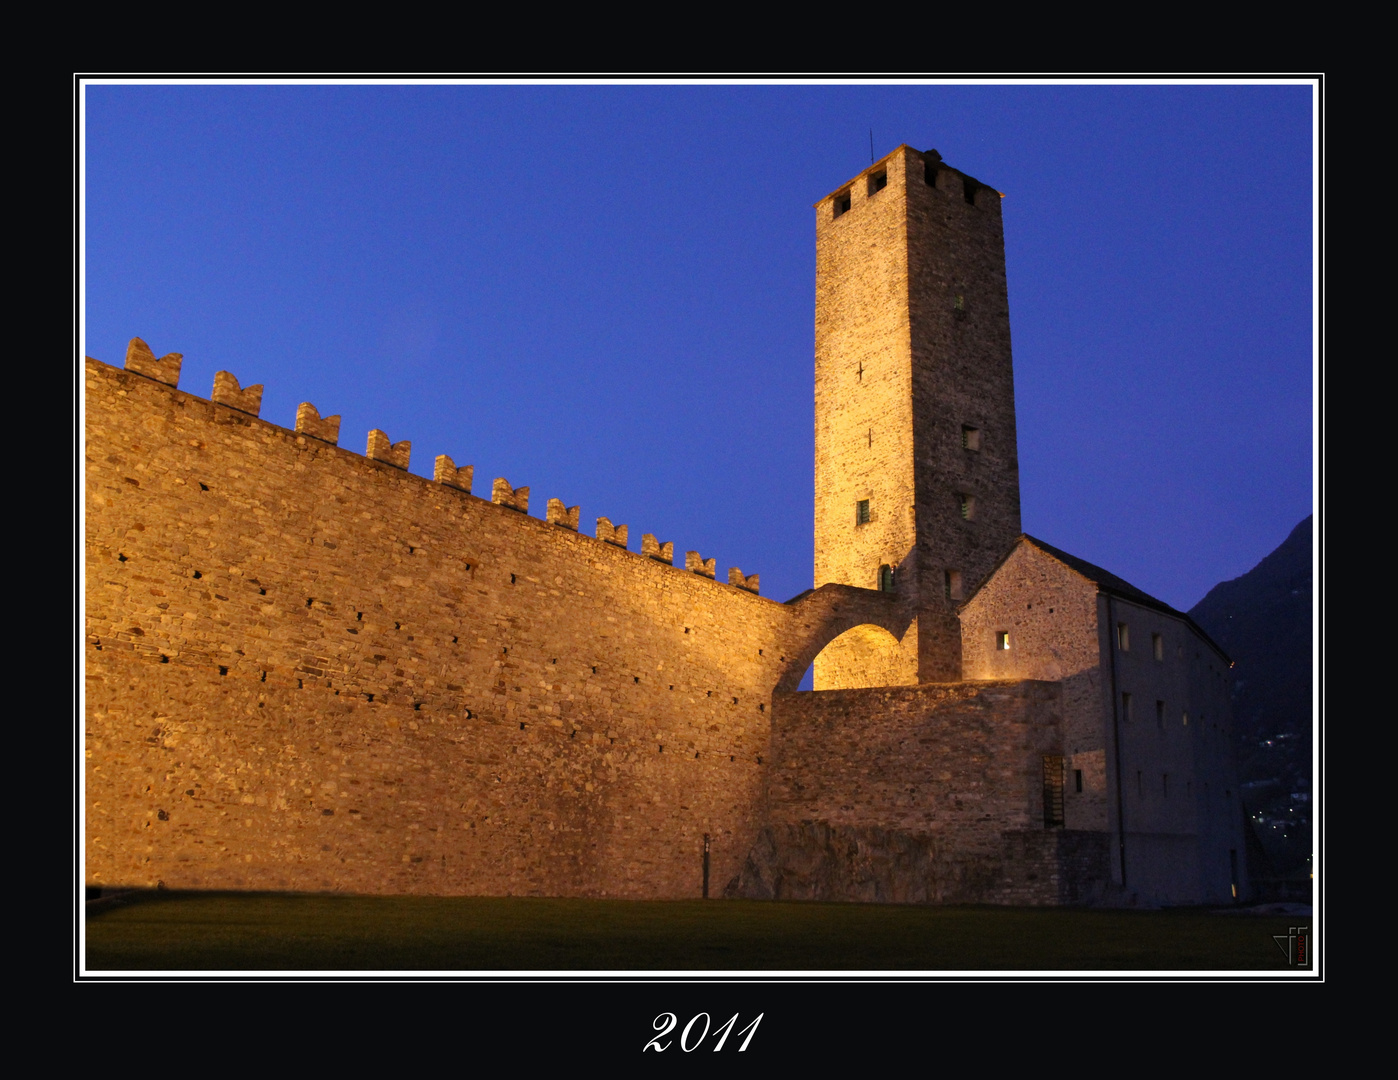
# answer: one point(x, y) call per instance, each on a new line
point(692, 1037)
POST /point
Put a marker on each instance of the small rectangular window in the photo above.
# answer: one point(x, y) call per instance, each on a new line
point(861, 512)
point(885, 578)
point(1164, 785)
point(1125, 707)
point(842, 203)
point(1157, 644)
point(1160, 715)
point(953, 584)
point(1140, 785)
point(1002, 640)
point(1077, 780)
point(878, 181)
point(1184, 718)
point(1123, 637)
point(968, 506)
point(970, 437)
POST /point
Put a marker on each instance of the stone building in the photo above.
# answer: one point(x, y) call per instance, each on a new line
point(308, 668)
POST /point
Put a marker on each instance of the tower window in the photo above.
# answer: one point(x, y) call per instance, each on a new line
point(1002, 640)
point(861, 512)
point(953, 584)
point(970, 437)
point(1077, 780)
point(885, 578)
point(1123, 637)
point(1157, 644)
point(1126, 707)
point(968, 189)
point(1160, 715)
point(1184, 719)
point(878, 181)
point(842, 204)
point(968, 506)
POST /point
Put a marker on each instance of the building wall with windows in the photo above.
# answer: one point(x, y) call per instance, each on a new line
point(1136, 679)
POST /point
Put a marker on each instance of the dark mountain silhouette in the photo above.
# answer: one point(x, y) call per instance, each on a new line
point(1263, 621)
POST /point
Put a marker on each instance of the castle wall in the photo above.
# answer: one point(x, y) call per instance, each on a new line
point(927, 794)
point(960, 759)
point(308, 668)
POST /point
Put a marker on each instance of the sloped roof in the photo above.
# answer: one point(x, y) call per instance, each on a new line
point(1108, 582)
point(1105, 579)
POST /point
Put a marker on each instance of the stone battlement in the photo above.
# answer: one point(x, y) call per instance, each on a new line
point(227, 391)
point(308, 668)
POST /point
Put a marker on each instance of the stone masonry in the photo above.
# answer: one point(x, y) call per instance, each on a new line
point(916, 462)
point(308, 668)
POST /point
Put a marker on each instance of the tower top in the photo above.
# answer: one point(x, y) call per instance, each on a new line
point(931, 158)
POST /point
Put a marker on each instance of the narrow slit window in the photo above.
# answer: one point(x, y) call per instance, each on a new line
point(1125, 707)
point(968, 507)
point(1002, 640)
point(1160, 715)
point(861, 512)
point(1123, 637)
point(953, 584)
point(1077, 780)
point(1157, 644)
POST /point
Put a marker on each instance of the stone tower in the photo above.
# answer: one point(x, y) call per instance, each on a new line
point(916, 469)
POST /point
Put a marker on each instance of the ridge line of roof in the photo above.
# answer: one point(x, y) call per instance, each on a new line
point(1119, 587)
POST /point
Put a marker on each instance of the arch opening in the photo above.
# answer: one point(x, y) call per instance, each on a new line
point(865, 656)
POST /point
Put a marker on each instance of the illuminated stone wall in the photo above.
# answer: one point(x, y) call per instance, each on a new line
point(308, 668)
point(916, 463)
point(926, 794)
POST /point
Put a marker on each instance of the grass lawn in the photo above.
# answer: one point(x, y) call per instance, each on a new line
point(260, 931)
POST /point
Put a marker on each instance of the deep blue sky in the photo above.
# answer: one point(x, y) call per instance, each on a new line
point(607, 293)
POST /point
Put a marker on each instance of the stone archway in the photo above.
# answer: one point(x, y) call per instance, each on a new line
point(865, 656)
point(885, 628)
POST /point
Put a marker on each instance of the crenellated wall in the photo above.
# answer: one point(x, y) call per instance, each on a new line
point(308, 668)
